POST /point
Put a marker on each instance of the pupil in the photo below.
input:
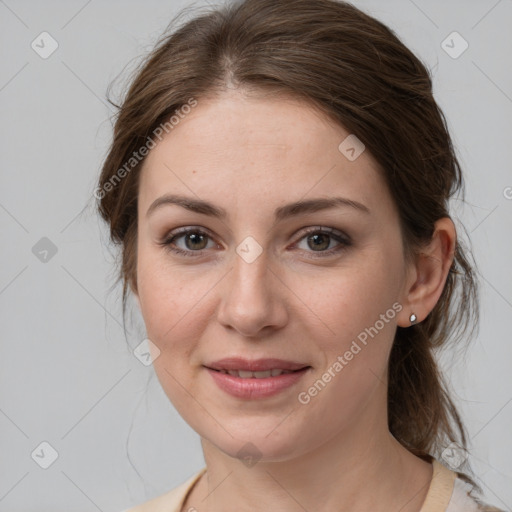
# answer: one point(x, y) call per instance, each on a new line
point(195, 238)
point(316, 237)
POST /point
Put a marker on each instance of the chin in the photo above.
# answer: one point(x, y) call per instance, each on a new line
point(252, 446)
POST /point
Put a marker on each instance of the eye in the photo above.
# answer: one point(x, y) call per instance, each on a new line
point(193, 238)
point(318, 239)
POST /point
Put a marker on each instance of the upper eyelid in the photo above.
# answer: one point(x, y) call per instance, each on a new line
point(185, 231)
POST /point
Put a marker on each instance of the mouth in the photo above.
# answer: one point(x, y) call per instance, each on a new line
point(256, 379)
point(245, 374)
point(240, 364)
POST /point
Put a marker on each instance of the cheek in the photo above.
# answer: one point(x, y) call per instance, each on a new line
point(351, 298)
point(169, 297)
point(358, 305)
point(176, 313)
point(359, 310)
point(173, 320)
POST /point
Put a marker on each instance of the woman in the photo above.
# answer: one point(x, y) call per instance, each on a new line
point(279, 182)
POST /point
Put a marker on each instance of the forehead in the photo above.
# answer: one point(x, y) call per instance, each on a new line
point(269, 125)
point(259, 148)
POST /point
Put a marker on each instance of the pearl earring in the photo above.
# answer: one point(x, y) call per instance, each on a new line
point(413, 318)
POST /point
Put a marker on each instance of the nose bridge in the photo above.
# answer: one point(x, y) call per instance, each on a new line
point(250, 280)
point(250, 268)
point(252, 299)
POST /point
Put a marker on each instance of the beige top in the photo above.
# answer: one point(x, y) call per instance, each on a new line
point(447, 493)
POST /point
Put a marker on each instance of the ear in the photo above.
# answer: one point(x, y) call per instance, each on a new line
point(427, 275)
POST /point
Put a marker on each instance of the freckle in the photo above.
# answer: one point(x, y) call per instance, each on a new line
point(193, 172)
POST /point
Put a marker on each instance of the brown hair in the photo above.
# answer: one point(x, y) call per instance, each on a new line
point(357, 71)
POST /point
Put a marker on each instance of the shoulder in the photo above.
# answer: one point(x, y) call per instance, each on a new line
point(450, 493)
point(172, 500)
point(463, 499)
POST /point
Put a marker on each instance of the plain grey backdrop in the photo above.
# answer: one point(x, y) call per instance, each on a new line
point(78, 431)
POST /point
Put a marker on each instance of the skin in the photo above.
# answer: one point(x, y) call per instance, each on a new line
point(251, 155)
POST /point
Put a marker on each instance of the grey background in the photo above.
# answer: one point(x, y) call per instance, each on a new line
point(68, 377)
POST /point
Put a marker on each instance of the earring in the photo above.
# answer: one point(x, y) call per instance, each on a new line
point(413, 318)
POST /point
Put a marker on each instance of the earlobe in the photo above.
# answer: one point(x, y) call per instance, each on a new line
point(432, 266)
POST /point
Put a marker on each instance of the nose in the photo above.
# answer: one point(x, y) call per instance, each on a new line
point(253, 297)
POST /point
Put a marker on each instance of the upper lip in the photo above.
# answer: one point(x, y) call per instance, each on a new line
point(256, 365)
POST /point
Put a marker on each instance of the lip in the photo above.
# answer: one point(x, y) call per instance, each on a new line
point(256, 365)
point(254, 388)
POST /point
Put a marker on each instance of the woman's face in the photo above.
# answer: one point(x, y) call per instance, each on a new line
point(308, 285)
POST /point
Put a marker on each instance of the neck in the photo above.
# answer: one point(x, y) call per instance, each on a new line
point(362, 468)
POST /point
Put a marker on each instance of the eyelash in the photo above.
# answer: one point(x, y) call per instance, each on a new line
point(344, 240)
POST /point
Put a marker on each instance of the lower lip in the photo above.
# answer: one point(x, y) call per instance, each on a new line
point(253, 387)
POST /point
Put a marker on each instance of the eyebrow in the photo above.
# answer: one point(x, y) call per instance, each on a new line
point(281, 213)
